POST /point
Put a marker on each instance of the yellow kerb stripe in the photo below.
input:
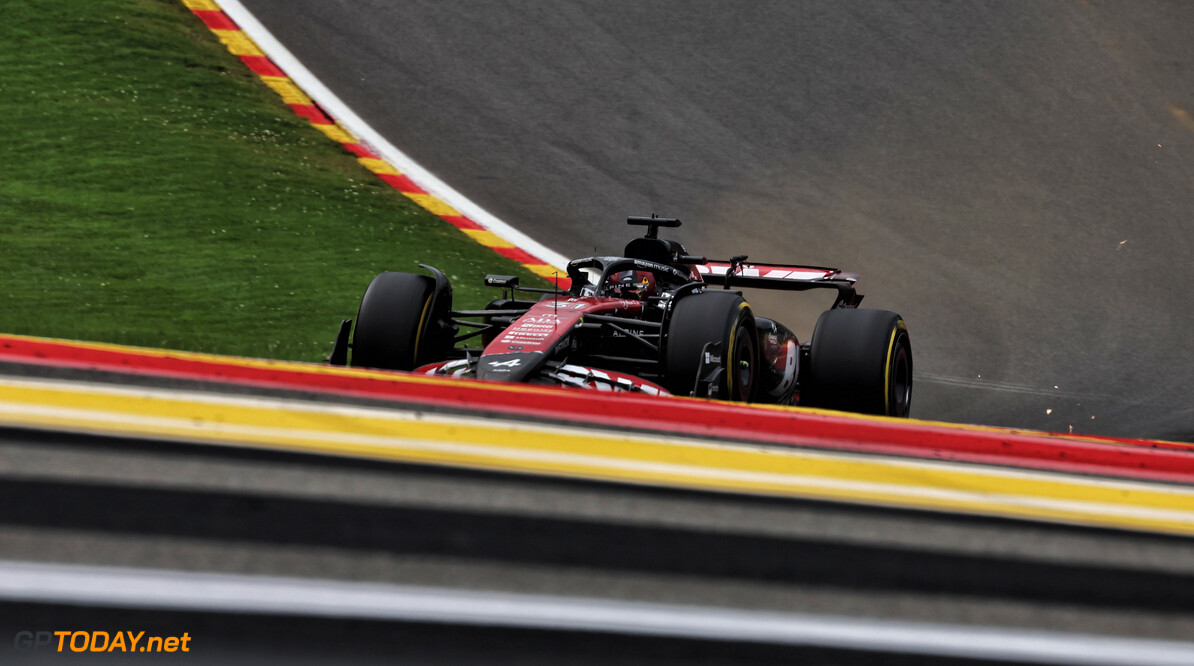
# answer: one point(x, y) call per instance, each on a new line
point(238, 43)
point(487, 238)
point(336, 133)
point(290, 93)
point(378, 166)
point(201, 5)
point(434, 205)
point(596, 454)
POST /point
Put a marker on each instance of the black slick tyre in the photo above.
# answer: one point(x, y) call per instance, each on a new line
point(859, 361)
point(719, 317)
point(392, 322)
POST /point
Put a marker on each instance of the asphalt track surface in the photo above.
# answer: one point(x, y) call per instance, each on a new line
point(1014, 178)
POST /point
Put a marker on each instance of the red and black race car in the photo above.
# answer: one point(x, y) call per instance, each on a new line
point(650, 321)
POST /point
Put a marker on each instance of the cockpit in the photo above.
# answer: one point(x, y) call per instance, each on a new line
point(622, 277)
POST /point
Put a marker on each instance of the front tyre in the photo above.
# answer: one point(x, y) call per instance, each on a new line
point(719, 317)
point(392, 323)
point(859, 361)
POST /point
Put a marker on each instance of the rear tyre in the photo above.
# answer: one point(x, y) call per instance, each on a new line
point(392, 323)
point(719, 317)
point(859, 361)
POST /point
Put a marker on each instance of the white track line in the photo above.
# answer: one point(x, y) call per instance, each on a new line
point(235, 593)
point(340, 111)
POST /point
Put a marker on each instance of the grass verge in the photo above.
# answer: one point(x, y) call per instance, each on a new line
point(153, 192)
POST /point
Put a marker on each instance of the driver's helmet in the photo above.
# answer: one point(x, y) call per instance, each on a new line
point(633, 284)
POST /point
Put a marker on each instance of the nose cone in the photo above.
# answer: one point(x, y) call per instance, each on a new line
point(511, 367)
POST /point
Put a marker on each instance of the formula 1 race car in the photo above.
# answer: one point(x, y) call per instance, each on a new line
point(649, 321)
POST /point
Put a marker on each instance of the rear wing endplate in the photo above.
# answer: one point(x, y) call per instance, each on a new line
point(784, 277)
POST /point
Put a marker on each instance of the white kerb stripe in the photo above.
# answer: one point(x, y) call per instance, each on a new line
point(327, 99)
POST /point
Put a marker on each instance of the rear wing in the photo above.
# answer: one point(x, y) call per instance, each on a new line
point(738, 273)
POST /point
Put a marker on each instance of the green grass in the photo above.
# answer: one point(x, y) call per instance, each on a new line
point(153, 192)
